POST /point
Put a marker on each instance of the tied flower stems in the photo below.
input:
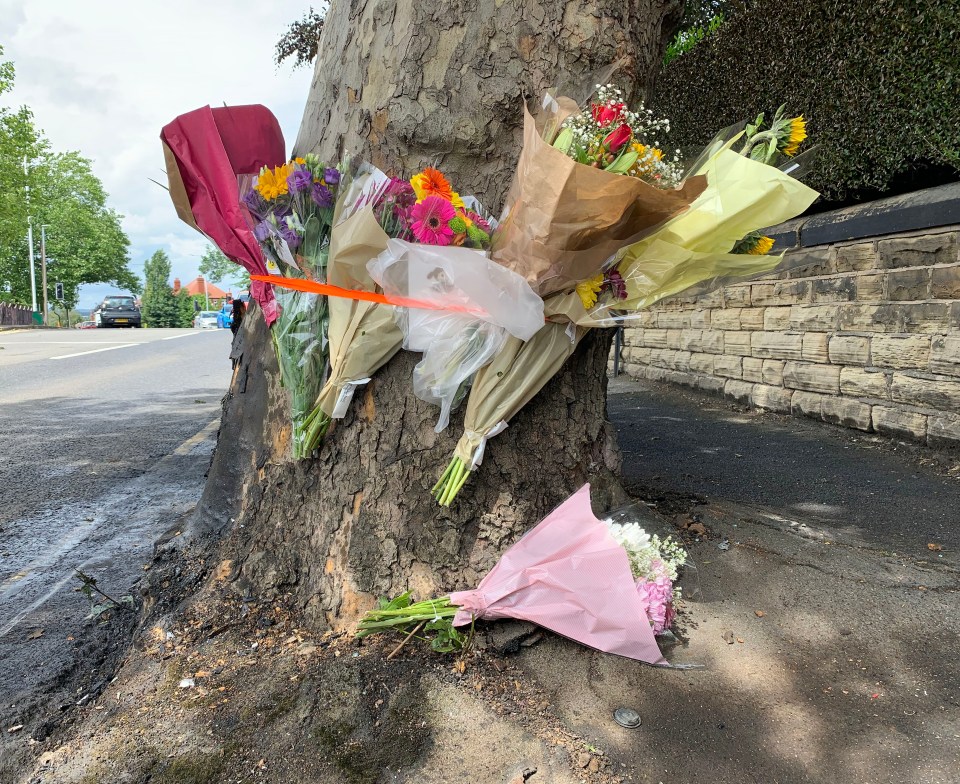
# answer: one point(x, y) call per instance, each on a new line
point(453, 479)
point(399, 618)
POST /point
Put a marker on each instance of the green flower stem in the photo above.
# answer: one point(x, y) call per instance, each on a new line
point(454, 478)
point(385, 620)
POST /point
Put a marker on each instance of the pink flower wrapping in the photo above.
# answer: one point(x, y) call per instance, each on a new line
point(568, 575)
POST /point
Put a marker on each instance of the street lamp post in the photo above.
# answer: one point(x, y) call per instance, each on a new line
point(43, 269)
point(33, 269)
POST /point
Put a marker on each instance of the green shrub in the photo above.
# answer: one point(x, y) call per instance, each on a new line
point(877, 80)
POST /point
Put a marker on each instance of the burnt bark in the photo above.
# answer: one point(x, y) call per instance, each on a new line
point(406, 84)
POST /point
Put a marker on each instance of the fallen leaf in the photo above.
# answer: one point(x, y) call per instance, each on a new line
point(35, 634)
point(698, 528)
point(759, 613)
point(202, 674)
point(934, 546)
point(460, 666)
point(740, 639)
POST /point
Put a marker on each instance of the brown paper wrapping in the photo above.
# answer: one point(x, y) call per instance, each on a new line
point(564, 220)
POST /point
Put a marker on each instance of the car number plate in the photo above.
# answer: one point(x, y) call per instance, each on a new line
point(121, 321)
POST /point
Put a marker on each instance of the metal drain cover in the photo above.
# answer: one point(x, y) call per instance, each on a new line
point(626, 717)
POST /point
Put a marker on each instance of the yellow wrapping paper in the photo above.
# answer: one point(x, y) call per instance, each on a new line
point(363, 335)
point(564, 220)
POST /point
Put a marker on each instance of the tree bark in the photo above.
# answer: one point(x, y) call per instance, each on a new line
point(406, 84)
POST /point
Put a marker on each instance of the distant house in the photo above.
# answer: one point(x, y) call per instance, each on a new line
point(199, 286)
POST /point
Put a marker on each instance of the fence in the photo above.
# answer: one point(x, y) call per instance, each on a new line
point(16, 315)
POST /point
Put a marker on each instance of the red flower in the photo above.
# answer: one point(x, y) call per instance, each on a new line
point(617, 138)
point(606, 113)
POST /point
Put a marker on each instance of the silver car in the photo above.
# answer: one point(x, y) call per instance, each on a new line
point(205, 319)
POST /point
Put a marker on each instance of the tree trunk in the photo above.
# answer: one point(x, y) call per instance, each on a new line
point(407, 84)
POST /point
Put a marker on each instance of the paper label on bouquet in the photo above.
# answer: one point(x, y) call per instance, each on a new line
point(478, 453)
point(572, 332)
point(346, 395)
point(285, 253)
point(272, 267)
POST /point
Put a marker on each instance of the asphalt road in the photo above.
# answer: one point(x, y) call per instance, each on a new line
point(107, 435)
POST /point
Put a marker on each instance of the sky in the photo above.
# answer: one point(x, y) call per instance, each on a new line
point(103, 76)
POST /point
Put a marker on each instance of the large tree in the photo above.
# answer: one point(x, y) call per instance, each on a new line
point(407, 84)
point(160, 308)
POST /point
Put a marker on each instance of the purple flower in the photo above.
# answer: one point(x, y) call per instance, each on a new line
point(261, 231)
point(253, 202)
point(288, 234)
point(614, 280)
point(401, 192)
point(299, 180)
point(321, 195)
point(331, 176)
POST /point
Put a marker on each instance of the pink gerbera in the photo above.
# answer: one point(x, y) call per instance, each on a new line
point(431, 221)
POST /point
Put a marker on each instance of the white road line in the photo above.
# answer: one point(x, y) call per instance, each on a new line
point(175, 337)
point(96, 350)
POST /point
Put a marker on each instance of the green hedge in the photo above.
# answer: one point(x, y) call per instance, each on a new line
point(877, 80)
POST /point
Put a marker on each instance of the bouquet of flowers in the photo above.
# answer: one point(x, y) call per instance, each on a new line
point(291, 208)
point(605, 585)
point(666, 231)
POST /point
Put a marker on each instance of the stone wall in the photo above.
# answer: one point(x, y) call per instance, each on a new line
point(862, 330)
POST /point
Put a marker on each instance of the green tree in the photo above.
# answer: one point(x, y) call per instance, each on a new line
point(85, 241)
point(215, 266)
point(187, 307)
point(160, 307)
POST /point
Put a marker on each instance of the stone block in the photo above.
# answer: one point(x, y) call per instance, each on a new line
point(871, 288)
point(775, 319)
point(939, 393)
point(899, 423)
point(673, 338)
point(702, 363)
point(849, 350)
point(812, 377)
point(833, 290)
point(658, 357)
point(926, 317)
point(639, 354)
point(809, 262)
point(713, 299)
point(651, 373)
point(751, 318)
point(780, 293)
point(737, 343)
point(673, 319)
point(691, 339)
point(908, 285)
point(655, 338)
point(856, 317)
point(728, 367)
point(815, 347)
point(855, 382)
point(943, 430)
point(945, 282)
point(699, 318)
point(923, 251)
point(709, 383)
point(753, 368)
point(807, 404)
point(846, 412)
point(736, 296)
point(945, 355)
point(725, 318)
point(776, 345)
point(814, 318)
point(771, 398)
point(712, 341)
point(680, 360)
point(772, 372)
point(648, 318)
point(852, 258)
point(900, 351)
point(738, 390)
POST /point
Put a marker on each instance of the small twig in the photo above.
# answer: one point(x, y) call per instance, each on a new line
point(403, 642)
point(90, 584)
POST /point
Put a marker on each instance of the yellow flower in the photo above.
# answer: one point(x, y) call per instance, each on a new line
point(798, 132)
point(648, 158)
point(588, 290)
point(301, 161)
point(761, 247)
point(273, 183)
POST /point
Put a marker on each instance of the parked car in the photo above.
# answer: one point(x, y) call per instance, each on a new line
point(225, 315)
point(118, 310)
point(205, 319)
point(86, 325)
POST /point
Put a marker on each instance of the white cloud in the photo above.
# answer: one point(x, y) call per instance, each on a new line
point(104, 76)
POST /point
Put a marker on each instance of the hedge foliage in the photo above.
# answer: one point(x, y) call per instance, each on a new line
point(877, 80)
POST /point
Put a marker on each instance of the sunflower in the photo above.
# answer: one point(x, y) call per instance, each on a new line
point(754, 244)
point(272, 183)
point(793, 135)
point(588, 290)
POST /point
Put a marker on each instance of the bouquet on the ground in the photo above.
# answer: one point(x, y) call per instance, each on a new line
point(291, 208)
point(606, 585)
point(602, 223)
